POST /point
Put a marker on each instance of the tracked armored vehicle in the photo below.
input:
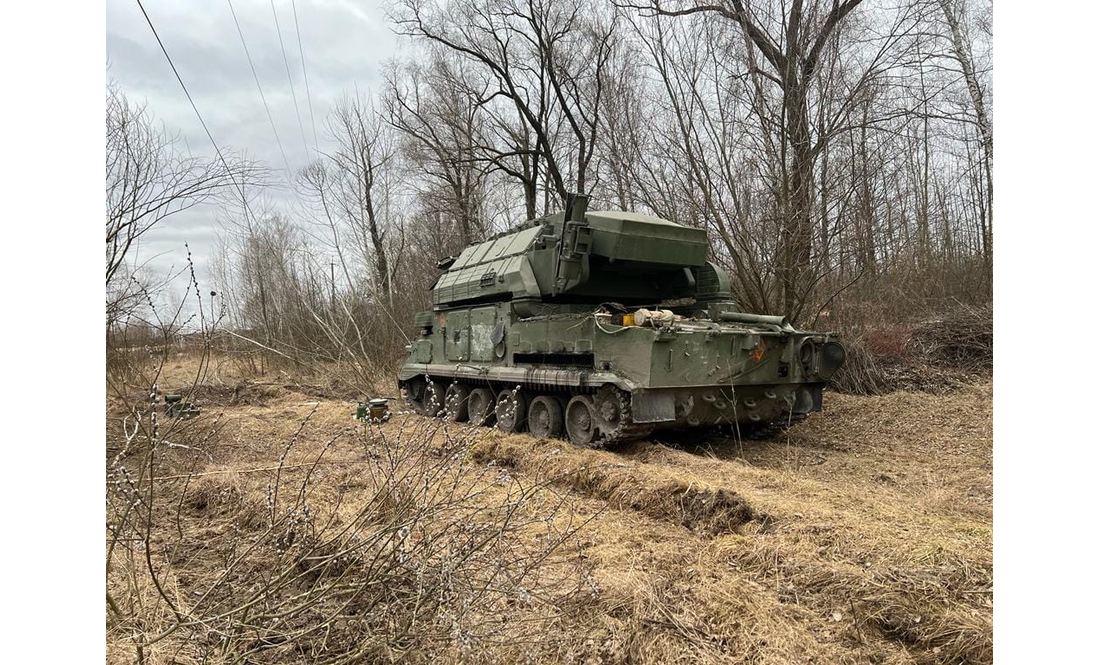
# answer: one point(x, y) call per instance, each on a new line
point(605, 326)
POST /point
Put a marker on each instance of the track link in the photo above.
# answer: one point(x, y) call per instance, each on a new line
point(616, 421)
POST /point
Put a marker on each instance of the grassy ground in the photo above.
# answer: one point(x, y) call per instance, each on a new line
point(863, 534)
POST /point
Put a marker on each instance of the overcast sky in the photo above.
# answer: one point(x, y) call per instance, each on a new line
point(345, 45)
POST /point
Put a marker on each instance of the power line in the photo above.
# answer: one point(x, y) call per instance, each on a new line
point(289, 78)
point(270, 119)
point(202, 122)
point(309, 99)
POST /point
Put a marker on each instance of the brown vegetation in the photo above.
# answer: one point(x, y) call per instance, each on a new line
point(935, 355)
point(281, 530)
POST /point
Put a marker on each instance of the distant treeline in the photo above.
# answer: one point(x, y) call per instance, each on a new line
point(838, 153)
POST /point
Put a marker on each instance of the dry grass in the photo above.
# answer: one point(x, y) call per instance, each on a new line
point(296, 534)
point(863, 534)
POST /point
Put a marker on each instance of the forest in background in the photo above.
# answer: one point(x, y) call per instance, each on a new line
point(839, 154)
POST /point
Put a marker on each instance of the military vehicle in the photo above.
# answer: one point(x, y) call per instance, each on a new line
point(605, 326)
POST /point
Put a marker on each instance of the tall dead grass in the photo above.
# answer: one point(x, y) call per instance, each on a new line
point(938, 613)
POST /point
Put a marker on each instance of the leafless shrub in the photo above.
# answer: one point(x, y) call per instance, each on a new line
point(861, 373)
point(149, 178)
point(935, 355)
point(358, 544)
point(414, 553)
point(963, 338)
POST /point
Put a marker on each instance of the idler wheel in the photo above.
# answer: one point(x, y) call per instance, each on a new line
point(580, 421)
point(480, 406)
point(544, 417)
point(457, 403)
point(511, 410)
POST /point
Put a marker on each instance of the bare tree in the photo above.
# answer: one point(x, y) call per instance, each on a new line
point(838, 153)
point(363, 169)
point(547, 62)
point(438, 108)
point(790, 44)
point(150, 178)
point(962, 50)
point(355, 188)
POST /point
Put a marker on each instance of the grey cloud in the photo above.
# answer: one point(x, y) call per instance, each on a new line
point(346, 45)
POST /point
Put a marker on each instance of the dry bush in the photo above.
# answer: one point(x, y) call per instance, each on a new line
point(936, 355)
point(962, 338)
point(408, 552)
point(366, 544)
point(865, 373)
point(325, 367)
point(122, 365)
point(239, 373)
point(861, 373)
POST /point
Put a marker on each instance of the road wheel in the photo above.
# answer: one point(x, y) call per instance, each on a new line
point(580, 421)
point(480, 405)
point(457, 403)
point(544, 417)
point(511, 410)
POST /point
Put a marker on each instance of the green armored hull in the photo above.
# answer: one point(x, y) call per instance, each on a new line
point(605, 326)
